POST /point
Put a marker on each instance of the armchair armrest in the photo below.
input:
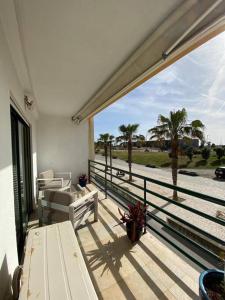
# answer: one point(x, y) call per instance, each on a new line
point(51, 179)
point(82, 206)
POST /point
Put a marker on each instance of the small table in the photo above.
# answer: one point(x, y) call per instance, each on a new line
point(54, 267)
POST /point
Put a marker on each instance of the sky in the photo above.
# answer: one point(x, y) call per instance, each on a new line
point(195, 82)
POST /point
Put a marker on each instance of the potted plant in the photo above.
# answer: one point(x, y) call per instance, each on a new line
point(212, 284)
point(135, 220)
point(83, 180)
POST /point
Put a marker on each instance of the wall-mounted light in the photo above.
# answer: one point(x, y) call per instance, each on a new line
point(28, 103)
point(76, 119)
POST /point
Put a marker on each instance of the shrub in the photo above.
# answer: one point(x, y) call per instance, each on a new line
point(219, 152)
point(197, 151)
point(205, 153)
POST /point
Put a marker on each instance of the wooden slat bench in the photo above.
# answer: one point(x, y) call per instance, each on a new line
point(54, 267)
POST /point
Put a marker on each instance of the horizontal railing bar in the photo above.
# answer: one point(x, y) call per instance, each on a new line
point(170, 228)
point(193, 210)
point(111, 195)
point(188, 192)
point(170, 186)
point(96, 183)
point(117, 169)
point(101, 170)
point(122, 188)
point(157, 219)
point(119, 178)
point(178, 248)
point(171, 215)
point(219, 241)
point(160, 221)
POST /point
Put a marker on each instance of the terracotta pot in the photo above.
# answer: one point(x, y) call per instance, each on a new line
point(134, 232)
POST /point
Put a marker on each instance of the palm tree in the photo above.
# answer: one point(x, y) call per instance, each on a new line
point(175, 127)
point(127, 133)
point(158, 134)
point(140, 139)
point(104, 138)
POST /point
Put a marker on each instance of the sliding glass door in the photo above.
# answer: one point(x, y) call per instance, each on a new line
point(22, 179)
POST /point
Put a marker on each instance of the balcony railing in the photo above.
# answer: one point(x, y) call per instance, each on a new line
point(199, 240)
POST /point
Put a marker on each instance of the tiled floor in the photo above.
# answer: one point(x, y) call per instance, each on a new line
point(120, 270)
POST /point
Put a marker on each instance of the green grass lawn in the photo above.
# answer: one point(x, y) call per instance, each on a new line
point(161, 159)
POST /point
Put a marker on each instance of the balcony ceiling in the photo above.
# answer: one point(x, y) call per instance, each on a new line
point(72, 47)
point(66, 51)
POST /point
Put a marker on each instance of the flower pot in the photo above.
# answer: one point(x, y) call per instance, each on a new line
point(134, 232)
point(211, 285)
point(82, 182)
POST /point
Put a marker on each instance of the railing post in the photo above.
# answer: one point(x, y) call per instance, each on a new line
point(89, 171)
point(110, 159)
point(145, 204)
point(106, 180)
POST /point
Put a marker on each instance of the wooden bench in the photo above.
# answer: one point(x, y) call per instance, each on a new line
point(54, 267)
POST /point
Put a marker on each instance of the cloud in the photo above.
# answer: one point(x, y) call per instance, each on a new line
point(196, 82)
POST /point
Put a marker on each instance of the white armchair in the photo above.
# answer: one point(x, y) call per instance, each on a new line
point(54, 180)
point(59, 206)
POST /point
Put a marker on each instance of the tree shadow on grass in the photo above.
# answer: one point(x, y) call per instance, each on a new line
point(218, 162)
point(165, 165)
point(200, 163)
point(185, 165)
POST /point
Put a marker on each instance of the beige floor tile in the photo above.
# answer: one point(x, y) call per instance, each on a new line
point(145, 286)
point(115, 292)
point(170, 296)
point(183, 292)
point(193, 284)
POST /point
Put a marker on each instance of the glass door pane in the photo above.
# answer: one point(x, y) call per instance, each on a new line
point(23, 183)
point(22, 180)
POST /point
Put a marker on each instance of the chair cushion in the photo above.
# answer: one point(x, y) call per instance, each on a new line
point(59, 197)
point(56, 184)
point(46, 174)
point(51, 215)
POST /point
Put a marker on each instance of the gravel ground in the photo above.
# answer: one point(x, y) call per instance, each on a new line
point(199, 184)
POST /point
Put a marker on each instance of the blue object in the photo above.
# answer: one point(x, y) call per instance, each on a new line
point(83, 182)
point(208, 276)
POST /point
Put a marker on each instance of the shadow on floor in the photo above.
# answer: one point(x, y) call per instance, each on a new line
point(158, 261)
point(5, 281)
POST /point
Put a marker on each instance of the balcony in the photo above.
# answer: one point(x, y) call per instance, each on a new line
point(166, 262)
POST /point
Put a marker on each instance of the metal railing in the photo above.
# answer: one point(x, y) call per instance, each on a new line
point(104, 177)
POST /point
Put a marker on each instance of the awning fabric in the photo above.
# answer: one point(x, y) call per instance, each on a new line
point(190, 25)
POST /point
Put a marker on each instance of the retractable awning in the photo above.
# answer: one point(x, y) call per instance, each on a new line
point(188, 26)
point(75, 57)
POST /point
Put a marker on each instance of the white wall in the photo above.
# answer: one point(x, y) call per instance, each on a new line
point(62, 145)
point(9, 85)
